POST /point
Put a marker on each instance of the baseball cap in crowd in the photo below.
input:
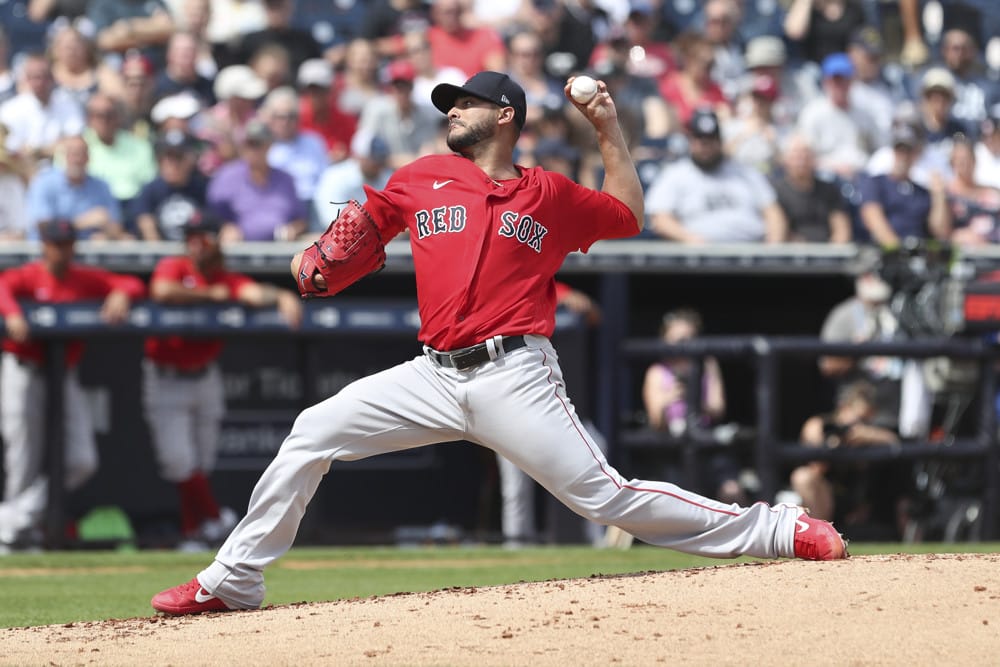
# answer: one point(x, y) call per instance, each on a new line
point(175, 141)
point(938, 78)
point(909, 135)
point(56, 231)
point(182, 105)
point(765, 51)
point(201, 222)
point(315, 72)
point(257, 132)
point(400, 70)
point(868, 39)
point(551, 147)
point(238, 81)
point(493, 87)
point(704, 123)
point(837, 64)
point(764, 86)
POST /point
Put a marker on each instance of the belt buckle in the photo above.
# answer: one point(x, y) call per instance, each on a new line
point(463, 361)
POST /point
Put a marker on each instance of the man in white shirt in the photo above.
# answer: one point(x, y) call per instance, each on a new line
point(988, 150)
point(345, 180)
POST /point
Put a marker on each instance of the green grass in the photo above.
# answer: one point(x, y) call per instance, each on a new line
point(63, 587)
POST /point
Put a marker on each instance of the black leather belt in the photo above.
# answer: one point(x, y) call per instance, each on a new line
point(470, 357)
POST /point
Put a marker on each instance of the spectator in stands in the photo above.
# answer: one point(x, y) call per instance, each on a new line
point(176, 112)
point(937, 100)
point(973, 91)
point(137, 95)
point(872, 91)
point(816, 210)
point(722, 18)
point(359, 81)
point(417, 48)
point(346, 180)
point(124, 25)
point(55, 278)
point(559, 156)
point(988, 149)
point(237, 88)
point(572, 30)
point(299, 43)
point(691, 86)
point(644, 115)
point(526, 59)
point(193, 17)
point(894, 207)
point(666, 397)
point(68, 192)
point(40, 115)
point(76, 67)
point(841, 135)
point(504, 16)
point(388, 22)
point(406, 127)
point(8, 82)
point(646, 54)
point(974, 207)
point(181, 72)
point(177, 192)
point(273, 64)
point(300, 153)
point(229, 22)
point(822, 27)
point(708, 198)
point(753, 136)
point(319, 111)
point(929, 161)
point(455, 44)
point(13, 195)
point(766, 55)
point(845, 492)
point(183, 395)
point(256, 201)
point(119, 158)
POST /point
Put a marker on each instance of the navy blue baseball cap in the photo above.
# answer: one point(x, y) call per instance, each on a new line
point(493, 87)
point(57, 231)
point(201, 222)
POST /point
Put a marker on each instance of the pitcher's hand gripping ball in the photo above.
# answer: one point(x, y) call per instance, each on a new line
point(583, 89)
point(348, 250)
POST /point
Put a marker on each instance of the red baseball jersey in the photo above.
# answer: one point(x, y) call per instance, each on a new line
point(190, 353)
point(34, 282)
point(486, 252)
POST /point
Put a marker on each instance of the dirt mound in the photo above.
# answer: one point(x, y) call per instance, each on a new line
point(872, 610)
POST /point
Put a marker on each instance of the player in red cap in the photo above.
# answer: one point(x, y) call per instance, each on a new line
point(487, 237)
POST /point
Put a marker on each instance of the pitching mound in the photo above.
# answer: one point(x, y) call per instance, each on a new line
point(873, 610)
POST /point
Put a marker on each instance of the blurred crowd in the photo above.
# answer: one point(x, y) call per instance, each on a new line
point(749, 120)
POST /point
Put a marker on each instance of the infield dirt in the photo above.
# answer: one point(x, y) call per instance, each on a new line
point(908, 610)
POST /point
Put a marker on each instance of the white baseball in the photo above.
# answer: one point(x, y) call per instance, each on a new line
point(583, 89)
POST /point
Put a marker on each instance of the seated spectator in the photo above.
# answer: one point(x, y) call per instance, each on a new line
point(988, 149)
point(894, 207)
point(708, 198)
point(646, 53)
point(229, 22)
point(848, 493)
point(273, 64)
point(13, 193)
point(117, 157)
point(822, 27)
point(387, 22)
point(76, 66)
point(929, 161)
point(358, 81)
point(936, 108)
point(124, 25)
point(299, 43)
point(300, 153)
point(68, 192)
point(176, 112)
point(417, 49)
point(665, 397)
point(721, 23)
point(973, 90)
point(816, 210)
point(137, 95)
point(753, 137)
point(177, 192)
point(40, 115)
point(975, 208)
point(842, 136)
point(454, 43)
point(766, 55)
point(181, 72)
point(691, 86)
point(876, 90)
point(194, 17)
point(346, 180)
point(256, 201)
point(526, 60)
point(237, 88)
point(406, 127)
point(319, 112)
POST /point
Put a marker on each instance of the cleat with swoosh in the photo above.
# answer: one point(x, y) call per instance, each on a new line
point(816, 539)
point(189, 598)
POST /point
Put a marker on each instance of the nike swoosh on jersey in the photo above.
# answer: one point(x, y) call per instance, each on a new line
point(440, 184)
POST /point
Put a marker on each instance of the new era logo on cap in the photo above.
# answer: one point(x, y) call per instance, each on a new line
point(493, 87)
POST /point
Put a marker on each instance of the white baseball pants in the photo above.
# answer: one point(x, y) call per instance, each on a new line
point(516, 406)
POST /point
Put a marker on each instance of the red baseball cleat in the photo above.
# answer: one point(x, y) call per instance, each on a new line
point(189, 598)
point(816, 539)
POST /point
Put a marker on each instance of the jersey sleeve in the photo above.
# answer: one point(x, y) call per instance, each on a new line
point(589, 216)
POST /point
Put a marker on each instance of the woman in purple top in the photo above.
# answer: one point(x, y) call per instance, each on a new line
point(256, 201)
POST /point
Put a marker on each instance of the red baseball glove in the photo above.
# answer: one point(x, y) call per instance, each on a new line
point(348, 250)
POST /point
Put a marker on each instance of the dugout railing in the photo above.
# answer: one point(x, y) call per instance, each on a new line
point(771, 454)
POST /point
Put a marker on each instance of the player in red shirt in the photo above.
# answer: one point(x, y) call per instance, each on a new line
point(487, 237)
point(182, 384)
point(54, 278)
